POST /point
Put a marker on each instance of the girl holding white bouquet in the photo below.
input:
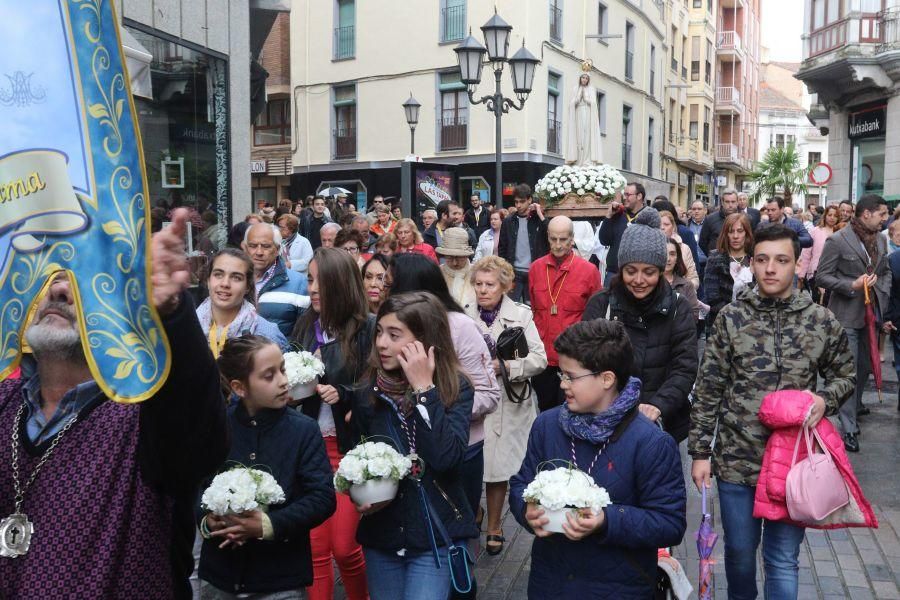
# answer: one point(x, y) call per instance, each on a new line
point(417, 398)
point(608, 545)
point(251, 548)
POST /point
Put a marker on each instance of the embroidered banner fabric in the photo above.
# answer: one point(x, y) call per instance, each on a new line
point(72, 191)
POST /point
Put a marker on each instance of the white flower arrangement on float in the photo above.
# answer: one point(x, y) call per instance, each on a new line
point(371, 472)
point(565, 490)
point(240, 489)
point(601, 181)
point(303, 370)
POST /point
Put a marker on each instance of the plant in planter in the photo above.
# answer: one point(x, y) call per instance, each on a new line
point(371, 472)
point(240, 489)
point(563, 490)
point(303, 370)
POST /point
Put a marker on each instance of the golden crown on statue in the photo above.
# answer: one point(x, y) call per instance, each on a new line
point(587, 65)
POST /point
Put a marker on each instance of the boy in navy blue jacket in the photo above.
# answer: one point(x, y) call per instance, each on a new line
point(599, 430)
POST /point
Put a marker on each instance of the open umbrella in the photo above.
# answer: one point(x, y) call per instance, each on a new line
point(334, 191)
point(872, 333)
point(706, 540)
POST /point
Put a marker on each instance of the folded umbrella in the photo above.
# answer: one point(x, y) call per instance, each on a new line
point(706, 541)
point(872, 334)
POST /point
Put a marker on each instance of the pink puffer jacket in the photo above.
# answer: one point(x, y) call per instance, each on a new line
point(784, 412)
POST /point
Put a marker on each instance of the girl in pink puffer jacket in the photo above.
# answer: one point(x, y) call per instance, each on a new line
point(784, 413)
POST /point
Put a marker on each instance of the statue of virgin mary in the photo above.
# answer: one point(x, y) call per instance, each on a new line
point(583, 140)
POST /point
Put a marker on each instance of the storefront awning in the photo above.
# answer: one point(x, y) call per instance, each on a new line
point(137, 60)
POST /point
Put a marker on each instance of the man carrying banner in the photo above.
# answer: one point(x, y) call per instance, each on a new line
point(96, 496)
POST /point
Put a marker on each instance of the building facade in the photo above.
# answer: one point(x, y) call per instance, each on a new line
point(737, 90)
point(270, 134)
point(350, 77)
point(851, 65)
point(783, 107)
point(690, 99)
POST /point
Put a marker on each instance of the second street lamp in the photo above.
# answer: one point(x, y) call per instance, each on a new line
point(411, 108)
point(470, 55)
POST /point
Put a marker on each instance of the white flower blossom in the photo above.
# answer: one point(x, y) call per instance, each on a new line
point(566, 487)
point(302, 367)
point(370, 460)
point(241, 489)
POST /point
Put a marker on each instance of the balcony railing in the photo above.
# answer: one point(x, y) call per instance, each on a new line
point(728, 96)
point(454, 133)
point(828, 38)
point(554, 137)
point(864, 28)
point(453, 23)
point(344, 42)
point(727, 153)
point(626, 156)
point(730, 40)
point(555, 24)
point(345, 142)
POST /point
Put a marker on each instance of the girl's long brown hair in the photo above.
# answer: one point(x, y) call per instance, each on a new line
point(342, 301)
point(426, 318)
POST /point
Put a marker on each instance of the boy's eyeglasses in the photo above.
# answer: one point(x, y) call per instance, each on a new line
point(566, 378)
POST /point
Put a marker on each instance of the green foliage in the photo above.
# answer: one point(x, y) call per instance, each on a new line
point(779, 173)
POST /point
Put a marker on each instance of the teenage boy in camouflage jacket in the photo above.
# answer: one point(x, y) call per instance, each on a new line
point(770, 338)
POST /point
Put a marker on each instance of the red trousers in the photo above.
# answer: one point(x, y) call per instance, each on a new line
point(336, 539)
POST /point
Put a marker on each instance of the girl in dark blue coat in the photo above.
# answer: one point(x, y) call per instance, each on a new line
point(258, 552)
point(599, 430)
point(417, 399)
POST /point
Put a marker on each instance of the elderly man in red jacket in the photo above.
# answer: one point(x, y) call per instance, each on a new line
point(560, 285)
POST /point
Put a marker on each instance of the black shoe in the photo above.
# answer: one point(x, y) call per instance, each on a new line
point(851, 444)
point(863, 411)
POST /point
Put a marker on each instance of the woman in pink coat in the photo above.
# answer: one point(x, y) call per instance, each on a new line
point(784, 412)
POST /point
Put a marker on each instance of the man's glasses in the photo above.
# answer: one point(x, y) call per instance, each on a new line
point(352, 249)
point(566, 378)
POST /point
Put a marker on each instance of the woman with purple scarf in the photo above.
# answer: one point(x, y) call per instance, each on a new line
point(600, 431)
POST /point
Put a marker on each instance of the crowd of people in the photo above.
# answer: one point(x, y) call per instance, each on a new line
point(412, 322)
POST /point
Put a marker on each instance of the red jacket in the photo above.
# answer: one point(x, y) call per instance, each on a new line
point(784, 412)
point(573, 283)
point(422, 248)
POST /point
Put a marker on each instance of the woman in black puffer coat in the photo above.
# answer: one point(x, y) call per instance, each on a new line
point(659, 322)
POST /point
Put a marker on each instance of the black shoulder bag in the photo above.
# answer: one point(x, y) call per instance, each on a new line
point(512, 345)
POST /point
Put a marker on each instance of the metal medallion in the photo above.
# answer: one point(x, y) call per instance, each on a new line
point(15, 535)
point(418, 467)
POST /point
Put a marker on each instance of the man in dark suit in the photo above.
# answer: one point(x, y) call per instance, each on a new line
point(744, 207)
point(854, 258)
point(712, 226)
point(449, 214)
point(775, 209)
point(478, 217)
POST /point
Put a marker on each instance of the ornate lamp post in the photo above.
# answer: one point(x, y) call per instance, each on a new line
point(411, 108)
point(470, 55)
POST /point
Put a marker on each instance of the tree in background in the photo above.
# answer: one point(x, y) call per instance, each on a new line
point(779, 173)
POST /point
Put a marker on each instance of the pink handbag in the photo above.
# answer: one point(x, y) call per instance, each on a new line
point(814, 486)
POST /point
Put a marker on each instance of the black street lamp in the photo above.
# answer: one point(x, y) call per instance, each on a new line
point(411, 108)
point(470, 55)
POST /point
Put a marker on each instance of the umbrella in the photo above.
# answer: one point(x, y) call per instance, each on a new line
point(706, 540)
point(872, 333)
point(334, 191)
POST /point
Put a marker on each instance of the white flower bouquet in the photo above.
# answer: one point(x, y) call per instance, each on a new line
point(563, 490)
point(371, 472)
point(241, 489)
point(303, 371)
point(601, 181)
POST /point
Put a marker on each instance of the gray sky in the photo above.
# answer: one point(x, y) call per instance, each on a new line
point(782, 26)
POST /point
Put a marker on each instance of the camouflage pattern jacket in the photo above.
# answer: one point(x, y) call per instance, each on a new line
point(760, 345)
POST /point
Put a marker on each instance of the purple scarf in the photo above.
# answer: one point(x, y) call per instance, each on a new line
point(597, 429)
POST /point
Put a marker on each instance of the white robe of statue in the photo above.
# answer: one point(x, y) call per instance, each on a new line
point(583, 140)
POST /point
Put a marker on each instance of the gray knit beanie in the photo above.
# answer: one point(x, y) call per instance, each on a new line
point(643, 241)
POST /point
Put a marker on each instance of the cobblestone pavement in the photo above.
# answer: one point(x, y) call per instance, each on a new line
point(857, 564)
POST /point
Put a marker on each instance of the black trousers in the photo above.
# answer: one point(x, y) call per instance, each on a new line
point(546, 386)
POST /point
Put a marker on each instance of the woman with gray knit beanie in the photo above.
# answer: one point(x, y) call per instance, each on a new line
point(659, 322)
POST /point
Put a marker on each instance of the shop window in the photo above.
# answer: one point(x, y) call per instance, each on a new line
point(868, 173)
point(183, 123)
point(273, 125)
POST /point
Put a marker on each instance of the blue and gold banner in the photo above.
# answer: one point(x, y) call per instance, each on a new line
point(73, 190)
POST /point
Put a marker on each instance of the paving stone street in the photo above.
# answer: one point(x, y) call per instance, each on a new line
point(858, 564)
